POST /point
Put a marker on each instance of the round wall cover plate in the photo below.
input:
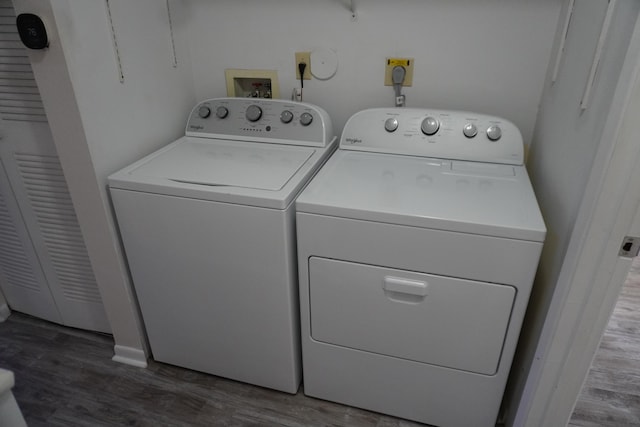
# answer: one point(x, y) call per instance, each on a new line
point(324, 63)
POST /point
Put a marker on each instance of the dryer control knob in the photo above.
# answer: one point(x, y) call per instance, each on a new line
point(253, 113)
point(391, 124)
point(430, 126)
point(470, 130)
point(286, 116)
point(494, 132)
point(204, 111)
point(306, 119)
point(222, 112)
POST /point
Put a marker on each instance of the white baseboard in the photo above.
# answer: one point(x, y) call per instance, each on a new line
point(129, 356)
point(5, 312)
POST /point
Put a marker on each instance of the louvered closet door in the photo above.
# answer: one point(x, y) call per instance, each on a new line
point(41, 216)
point(22, 280)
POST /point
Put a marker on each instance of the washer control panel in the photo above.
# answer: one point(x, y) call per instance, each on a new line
point(443, 134)
point(261, 120)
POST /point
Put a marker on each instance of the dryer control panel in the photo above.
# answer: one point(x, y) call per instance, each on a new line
point(261, 120)
point(443, 134)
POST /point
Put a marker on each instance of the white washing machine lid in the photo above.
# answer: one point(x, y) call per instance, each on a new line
point(259, 174)
point(226, 163)
point(470, 197)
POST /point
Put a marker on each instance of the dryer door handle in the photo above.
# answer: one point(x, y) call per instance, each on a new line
point(405, 286)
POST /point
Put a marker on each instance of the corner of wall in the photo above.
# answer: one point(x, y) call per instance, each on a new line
point(68, 131)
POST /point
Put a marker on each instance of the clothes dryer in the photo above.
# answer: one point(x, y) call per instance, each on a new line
point(418, 242)
point(208, 228)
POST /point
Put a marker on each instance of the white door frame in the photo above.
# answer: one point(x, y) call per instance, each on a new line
point(592, 274)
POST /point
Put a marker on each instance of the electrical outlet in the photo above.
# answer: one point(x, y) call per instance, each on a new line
point(390, 63)
point(306, 58)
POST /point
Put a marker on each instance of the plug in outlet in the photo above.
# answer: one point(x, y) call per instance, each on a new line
point(390, 63)
point(306, 58)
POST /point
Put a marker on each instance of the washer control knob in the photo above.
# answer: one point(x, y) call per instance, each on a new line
point(430, 126)
point(253, 113)
point(204, 111)
point(306, 119)
point(286, 116)
point(470, 130)
point(391, 124)
point(222, 112)
point(494, 132)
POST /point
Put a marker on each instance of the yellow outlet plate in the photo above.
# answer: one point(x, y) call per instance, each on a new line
point(306, 58)
point(390, 63)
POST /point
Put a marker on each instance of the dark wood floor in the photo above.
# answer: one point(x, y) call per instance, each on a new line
point(611, 394)
point(65, 377)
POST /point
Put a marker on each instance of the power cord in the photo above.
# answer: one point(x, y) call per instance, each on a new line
point(302, 66)
point(397, 77)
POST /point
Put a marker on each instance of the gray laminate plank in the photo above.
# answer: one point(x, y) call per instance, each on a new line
point(611, 394)
point(65, 377)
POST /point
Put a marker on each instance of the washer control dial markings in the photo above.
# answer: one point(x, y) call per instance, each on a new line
point(222, 112)
point(253, 113)
point(391, 124)
point(306, 119)
point(204, 111)
point(494, 132)
point(470, 130)
point(430, 126)
point(286, 116)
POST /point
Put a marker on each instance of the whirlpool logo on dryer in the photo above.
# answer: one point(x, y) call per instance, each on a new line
point(354, 140)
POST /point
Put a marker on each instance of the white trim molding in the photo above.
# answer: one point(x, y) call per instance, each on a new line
point(5, 312)
point(129, 356)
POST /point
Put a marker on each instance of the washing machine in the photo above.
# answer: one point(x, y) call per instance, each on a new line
point(208, 227)
point(418, 242)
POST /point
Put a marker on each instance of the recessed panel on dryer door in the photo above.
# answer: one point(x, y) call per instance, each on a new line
point(438, 320)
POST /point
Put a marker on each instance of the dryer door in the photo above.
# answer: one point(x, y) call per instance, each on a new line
point(438, 320)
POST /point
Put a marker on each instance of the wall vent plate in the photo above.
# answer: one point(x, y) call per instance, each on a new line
point(252, 83)
point(324, 63)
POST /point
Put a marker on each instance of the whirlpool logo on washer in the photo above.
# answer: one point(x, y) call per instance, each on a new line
point(353, 140)
point(196, 127)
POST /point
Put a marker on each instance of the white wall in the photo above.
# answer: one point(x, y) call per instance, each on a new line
point(566, 137)
point(124, 121)
point(561, 162)
point(484, 55)
point(487, 55)
point(481, 55)
point(100, 124)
